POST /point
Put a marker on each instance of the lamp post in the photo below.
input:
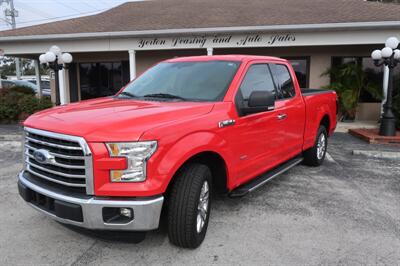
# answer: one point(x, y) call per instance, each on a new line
point(390, 57)
point(56, 60)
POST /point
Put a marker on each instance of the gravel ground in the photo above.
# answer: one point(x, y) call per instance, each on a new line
point(346, 212)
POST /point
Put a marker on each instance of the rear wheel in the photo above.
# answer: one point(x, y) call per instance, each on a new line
point(315, 156)
point(189, 206)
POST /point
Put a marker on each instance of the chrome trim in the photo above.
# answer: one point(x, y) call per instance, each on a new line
point(54, 180)
point(281, 116)
point(23, 150)
point(84, 147)
point(226, 123)
point(294, 163)
point(58, 154)
point(53, 162)
point(53, 145)
point(146, 211)
point(54, 172)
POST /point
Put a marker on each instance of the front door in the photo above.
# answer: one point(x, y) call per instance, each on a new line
point(256, 138)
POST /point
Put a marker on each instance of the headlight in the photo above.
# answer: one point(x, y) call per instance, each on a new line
point(136, 154)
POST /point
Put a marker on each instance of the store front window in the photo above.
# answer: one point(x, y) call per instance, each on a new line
point(374, 74)
point(301, 68)
point(102, 78)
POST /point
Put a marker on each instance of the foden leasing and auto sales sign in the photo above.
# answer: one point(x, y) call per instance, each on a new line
point(216, 41)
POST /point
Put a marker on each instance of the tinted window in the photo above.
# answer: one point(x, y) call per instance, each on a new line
point(101, 79)
point(258, 78)
point(283, 80)
point(197, 81)
point(300, 67)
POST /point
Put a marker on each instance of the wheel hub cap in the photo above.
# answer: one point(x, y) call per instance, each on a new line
point(202, 207)
point(321, 146)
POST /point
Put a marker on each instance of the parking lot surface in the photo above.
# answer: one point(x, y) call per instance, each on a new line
point(346, 212)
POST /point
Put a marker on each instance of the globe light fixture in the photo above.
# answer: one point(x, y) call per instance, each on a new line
point(42, 59)
point(56, 60)
point(392, 43)
point(50, 57)
point(390, 57)
point(66, 58)
point(55, 49)
point(376, 55)
point(396, 54)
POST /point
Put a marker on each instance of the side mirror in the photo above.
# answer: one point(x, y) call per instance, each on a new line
point(260, 101)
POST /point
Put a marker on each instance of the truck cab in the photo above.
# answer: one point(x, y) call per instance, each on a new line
point(185, 128)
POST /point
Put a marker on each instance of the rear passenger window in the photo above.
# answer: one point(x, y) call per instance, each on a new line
point(258, 78)
point(283, 81)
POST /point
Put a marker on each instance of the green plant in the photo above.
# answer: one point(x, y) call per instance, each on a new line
point(18, 103)
point(22, 89)
point(348, 80)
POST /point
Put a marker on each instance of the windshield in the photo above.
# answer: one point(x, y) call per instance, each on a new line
point(192, 81)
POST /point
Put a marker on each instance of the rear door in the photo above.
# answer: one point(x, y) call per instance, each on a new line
point(255, 137)
point(290, 109)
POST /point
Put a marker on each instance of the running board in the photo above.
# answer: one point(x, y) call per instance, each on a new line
point(264, 178)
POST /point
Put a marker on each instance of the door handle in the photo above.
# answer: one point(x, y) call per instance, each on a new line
point(281, 116)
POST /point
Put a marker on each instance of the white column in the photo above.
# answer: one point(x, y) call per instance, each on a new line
point(132, 64)
point(210, 51)
point(61, 82)
point(38, 79)
point(385, 85)
point(17, 68)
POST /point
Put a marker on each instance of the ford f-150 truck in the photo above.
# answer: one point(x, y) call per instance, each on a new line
point(186, 127)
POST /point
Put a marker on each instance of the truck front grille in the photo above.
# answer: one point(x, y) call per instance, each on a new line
point(60, 159)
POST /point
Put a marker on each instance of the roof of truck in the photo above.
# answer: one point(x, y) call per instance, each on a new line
point(232, 57)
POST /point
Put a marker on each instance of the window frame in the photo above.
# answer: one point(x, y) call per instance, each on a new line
point(278, 86)
point(239, 95)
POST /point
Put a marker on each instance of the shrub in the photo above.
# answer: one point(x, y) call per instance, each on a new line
point(22, 90)
point(18, 103)
point(348, 80)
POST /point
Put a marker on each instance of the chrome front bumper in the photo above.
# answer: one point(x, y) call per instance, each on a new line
point(146, 211)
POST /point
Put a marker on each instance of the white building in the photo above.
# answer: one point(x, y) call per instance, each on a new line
point(112, 47)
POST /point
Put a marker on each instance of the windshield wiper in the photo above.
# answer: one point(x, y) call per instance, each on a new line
point(164, 95)
point(128, 94)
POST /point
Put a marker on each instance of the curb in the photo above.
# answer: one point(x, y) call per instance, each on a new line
point(378, 154)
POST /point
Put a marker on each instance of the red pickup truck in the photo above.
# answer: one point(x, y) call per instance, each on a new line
point(186, 127)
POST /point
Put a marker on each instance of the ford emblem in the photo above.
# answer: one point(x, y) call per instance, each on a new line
point(42, 156)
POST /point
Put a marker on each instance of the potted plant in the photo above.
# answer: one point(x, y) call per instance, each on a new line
point(348, 80)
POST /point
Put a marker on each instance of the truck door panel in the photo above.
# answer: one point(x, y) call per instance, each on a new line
point(291, 106)
point(257, 133)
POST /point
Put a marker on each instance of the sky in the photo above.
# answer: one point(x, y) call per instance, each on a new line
point(33, 12)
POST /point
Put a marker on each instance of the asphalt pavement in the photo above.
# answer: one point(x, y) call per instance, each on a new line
point(345, 212)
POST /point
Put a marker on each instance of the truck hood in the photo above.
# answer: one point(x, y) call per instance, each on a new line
point(110, 119)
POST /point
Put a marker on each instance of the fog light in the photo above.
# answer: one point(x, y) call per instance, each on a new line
point(118, 215)
point(126, 212)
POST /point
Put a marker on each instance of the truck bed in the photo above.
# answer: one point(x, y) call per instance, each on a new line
point(318, 101)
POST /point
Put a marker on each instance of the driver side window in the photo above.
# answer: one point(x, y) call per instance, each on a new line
point(258, 78)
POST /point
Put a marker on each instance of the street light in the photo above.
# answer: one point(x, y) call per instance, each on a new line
point(390, 57)
point(56, 60)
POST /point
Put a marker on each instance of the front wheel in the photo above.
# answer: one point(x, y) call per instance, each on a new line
point(315, 155)
point(189, 206)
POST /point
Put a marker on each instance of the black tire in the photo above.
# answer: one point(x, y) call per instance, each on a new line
point(311, 156)
point(183, 203)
